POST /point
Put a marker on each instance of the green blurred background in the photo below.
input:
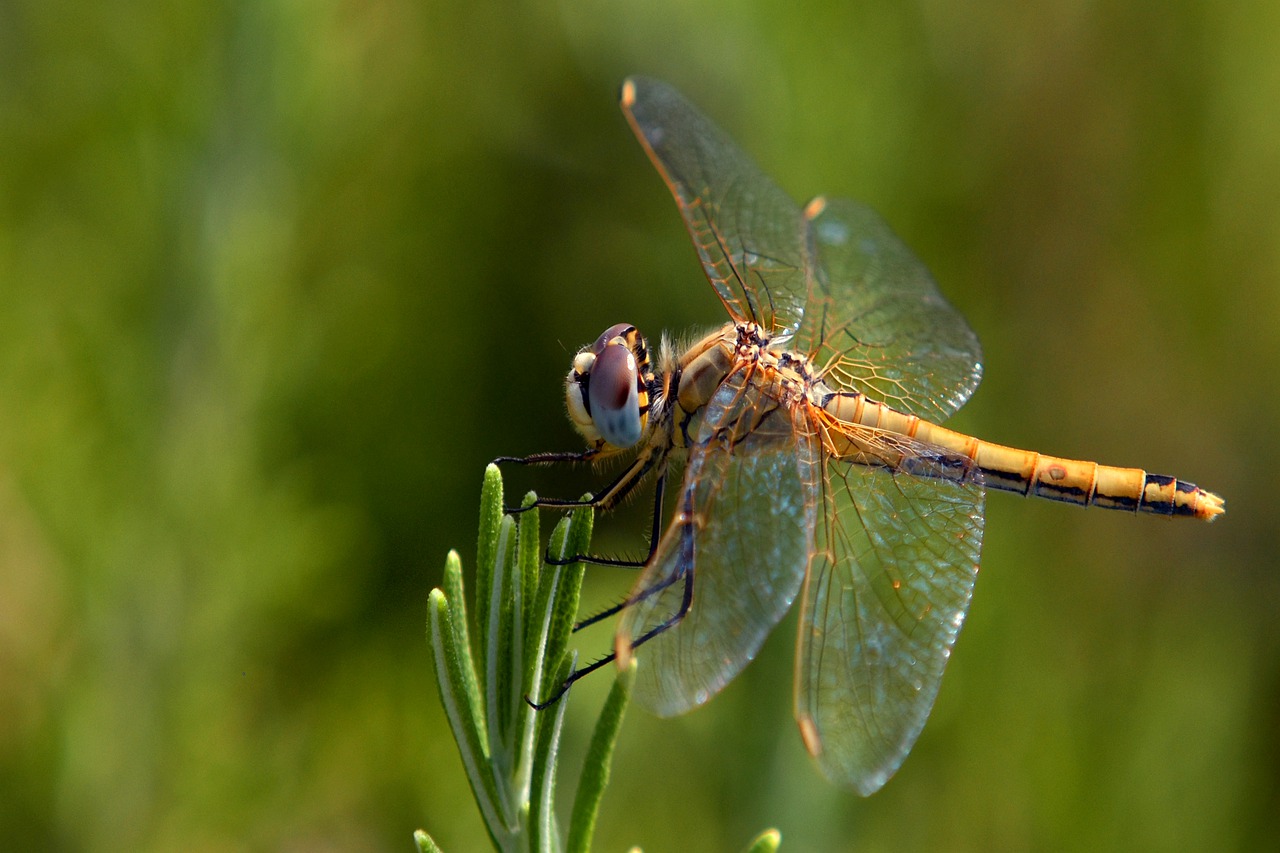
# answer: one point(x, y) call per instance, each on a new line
point(277, 279)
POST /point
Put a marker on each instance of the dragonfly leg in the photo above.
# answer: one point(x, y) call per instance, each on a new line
point(654, 532)
point(568, 682)
point(684, 572)
point(685, 601)
point(603, 500)
point(608, 497)
point(631, 601)
point(549, 458)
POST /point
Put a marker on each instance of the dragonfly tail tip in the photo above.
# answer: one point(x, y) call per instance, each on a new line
point(1210, 506)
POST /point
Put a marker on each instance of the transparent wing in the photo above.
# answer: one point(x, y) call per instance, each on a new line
point(896, 560)
point(749, 234)
point(739, 544)
point(876, 321)
point(856, 298)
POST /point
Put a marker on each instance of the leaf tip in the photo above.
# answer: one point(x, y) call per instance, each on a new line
point(766, 842)
point(425, 843)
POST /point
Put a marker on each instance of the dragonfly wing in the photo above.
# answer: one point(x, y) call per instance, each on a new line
point(834, 276)
point(876, 320)
point(893, 572)
point(750, 236)
point(739, 543)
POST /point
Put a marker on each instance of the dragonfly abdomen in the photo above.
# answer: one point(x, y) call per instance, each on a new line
point(1027, 472)
point(1089, 484)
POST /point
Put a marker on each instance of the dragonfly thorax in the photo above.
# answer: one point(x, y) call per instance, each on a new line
point(607, 389)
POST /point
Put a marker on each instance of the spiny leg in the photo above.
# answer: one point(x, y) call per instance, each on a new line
point(683, 572)
point(655, 532)
point(604, 500)
point(686, 600)
point(552, 458)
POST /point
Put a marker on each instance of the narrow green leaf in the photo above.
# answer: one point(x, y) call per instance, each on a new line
point(542, 827)
point(499, 684)
point(531, 553)
point(548, 668)
point(497, 665)
point(544, 608)
point(525, 652)
point(486, 555)
point(426, 844)
point(454, 696)
point(595, 769)
point(766, 842)
point(455, 595)
point(523, 574)
point(574, 540)
point(530, 563)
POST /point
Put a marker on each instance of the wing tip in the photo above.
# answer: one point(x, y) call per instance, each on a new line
point(814, 208)
point(809, 734)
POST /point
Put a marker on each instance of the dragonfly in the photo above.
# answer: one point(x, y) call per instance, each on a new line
point(810, 463)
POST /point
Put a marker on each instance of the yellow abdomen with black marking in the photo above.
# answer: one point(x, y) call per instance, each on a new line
point(1013, 470)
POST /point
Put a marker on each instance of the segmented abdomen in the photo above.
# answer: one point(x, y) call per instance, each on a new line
point(1028, 472)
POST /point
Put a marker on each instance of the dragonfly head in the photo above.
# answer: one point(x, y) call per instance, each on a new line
point(607, 389)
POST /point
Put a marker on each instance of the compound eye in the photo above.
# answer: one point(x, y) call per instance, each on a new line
point(613, 397)
point(617, 330)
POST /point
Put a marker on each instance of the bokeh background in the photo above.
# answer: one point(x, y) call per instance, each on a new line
point(277, 279)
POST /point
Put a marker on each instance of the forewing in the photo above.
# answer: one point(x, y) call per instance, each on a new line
point(859, 299)
point(741, 535)
point(876, 321)
point(897, 557)
point(749, 234)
